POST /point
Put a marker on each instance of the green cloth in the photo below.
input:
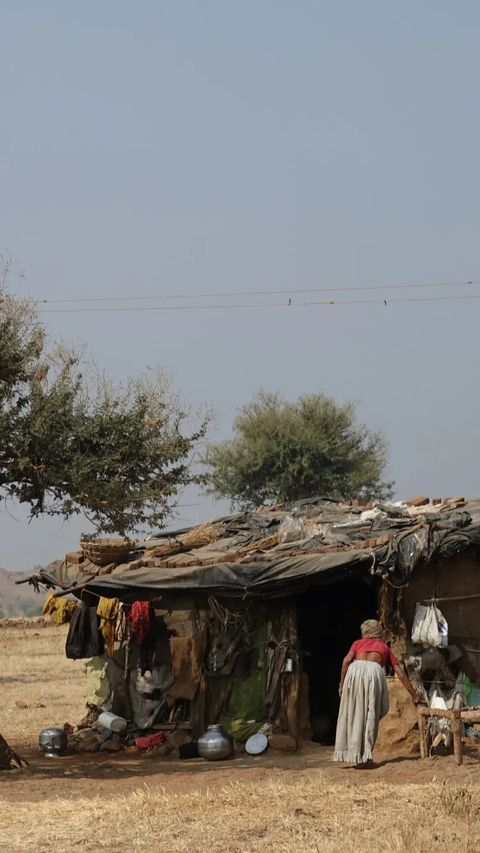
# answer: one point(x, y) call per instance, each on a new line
point(472, 692)
point(98, 685)
point(246, 701)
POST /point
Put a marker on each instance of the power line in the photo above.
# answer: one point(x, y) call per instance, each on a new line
point(289, 304)
point(255, 292)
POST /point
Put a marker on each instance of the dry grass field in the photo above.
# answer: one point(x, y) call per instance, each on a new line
point(222, 811)
point(40, 687)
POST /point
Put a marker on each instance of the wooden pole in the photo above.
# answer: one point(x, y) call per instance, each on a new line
point(453, 598)
point(457, 736)
point(422, 728)
point(472, 716)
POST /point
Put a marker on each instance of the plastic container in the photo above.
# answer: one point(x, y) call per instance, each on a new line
point(256, 744)
point(112, 722)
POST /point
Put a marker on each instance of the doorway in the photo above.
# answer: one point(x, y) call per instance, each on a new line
point(329, 619)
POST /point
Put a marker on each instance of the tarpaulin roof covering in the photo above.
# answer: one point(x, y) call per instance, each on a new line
point(281, 550)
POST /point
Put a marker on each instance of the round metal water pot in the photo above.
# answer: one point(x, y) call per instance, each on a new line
point(215, 744)
point(52, 742)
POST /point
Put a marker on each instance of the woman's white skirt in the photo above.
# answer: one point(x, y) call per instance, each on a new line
point(363, 704)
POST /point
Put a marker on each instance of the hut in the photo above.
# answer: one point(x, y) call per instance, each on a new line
point(245, 620)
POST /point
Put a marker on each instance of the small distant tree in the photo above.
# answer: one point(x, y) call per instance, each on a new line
point(284, 451)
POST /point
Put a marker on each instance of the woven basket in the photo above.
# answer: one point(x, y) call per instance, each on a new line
point(102, 552)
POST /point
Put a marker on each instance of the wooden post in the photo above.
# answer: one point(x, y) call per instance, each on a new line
point(457, 736)
point(422, 728)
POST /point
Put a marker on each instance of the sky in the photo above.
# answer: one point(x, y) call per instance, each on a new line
point(167, 148)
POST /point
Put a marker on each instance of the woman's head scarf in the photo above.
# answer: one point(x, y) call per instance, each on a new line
point(371, 630)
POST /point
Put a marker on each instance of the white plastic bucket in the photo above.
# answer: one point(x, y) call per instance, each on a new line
point(112, 722)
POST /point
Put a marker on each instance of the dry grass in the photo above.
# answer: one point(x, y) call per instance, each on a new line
point(199, 536)
point(275, 814)
point(39, 686)
point(308, 815)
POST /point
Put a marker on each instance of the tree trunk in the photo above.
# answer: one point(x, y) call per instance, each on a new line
point(9, 760)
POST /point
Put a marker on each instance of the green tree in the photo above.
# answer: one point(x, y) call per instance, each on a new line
point(283, 451)
point(74, 442)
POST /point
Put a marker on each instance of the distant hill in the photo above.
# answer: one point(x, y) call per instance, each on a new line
point(18, 600)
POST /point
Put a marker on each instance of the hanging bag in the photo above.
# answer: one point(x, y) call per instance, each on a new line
point(430, 628)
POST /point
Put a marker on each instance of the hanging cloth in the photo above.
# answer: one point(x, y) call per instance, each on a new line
point(59, 609)
point(108, 611)
point(84, 640)
point(140, 620)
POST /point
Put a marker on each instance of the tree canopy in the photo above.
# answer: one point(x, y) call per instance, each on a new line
point(284, 451)
point(72, 441)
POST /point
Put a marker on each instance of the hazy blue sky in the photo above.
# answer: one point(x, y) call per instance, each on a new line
point(184, 147)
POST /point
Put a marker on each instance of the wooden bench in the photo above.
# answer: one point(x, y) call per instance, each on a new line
point(456, 717)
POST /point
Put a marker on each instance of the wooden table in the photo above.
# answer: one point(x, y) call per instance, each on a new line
point(456, 717)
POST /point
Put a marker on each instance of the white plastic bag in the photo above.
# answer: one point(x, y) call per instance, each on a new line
point(291, 530)
point(430, 627)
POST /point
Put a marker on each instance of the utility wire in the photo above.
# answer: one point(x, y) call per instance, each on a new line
point(289, 304)
point(291, 290)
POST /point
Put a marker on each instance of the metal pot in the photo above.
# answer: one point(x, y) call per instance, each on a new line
point(52, 742)
point(215, 744)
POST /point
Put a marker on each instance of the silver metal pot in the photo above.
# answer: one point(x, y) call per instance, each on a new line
point(215, 744)
point(52, 742)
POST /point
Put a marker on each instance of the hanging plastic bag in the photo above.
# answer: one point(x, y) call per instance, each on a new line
point(291, 530)
point(430, 627)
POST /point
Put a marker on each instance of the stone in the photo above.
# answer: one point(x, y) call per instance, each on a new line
point(419, 500)
point(87, 740)
point(285, 743)
point(178, 738)
point(113, 744)
point(162, 750)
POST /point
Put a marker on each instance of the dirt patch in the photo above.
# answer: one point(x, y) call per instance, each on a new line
point(88, 776)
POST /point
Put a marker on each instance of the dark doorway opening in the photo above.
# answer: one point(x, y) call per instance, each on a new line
point(329, 619)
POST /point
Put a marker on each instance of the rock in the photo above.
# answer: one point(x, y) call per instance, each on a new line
point(87, 740)
point(113, 744)
point(177, 738)
point(22, 705)
point(162, 750)
point(285, 743)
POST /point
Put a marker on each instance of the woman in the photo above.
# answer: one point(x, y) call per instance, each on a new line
point(364, 695)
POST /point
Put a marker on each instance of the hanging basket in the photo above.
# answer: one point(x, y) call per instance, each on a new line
point(102, 552)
